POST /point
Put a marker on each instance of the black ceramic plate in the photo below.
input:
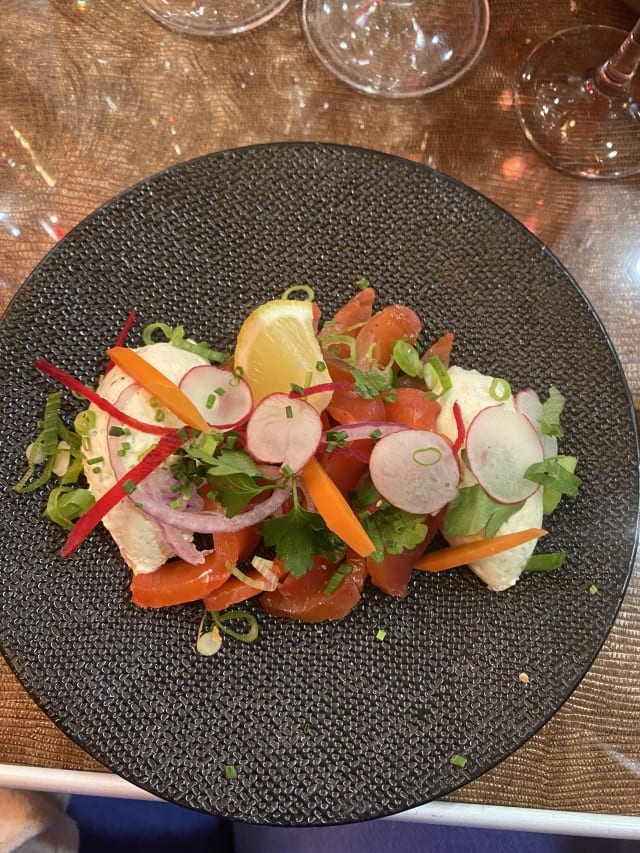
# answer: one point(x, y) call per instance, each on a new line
point(323, 724)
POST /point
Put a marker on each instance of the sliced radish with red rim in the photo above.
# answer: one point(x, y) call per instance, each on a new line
point(284, 430)
point(501, 445)
point(415, 470)
point(223, 399)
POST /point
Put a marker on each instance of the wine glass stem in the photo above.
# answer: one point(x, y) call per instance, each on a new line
point(613, 79)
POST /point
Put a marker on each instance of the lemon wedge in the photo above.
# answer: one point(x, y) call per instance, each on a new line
point(277, 347)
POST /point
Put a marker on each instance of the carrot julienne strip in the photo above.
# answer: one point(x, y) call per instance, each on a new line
point(80, 388)
point(157, 384)
point(459, 555)
point(334, 509)
point(167, 445)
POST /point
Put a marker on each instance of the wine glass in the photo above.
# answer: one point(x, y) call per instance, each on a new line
point(212, 17)
point(397, 48)
point(577, 101)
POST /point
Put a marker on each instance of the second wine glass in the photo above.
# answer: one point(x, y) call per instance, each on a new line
point(578, 101)
point(397, 48)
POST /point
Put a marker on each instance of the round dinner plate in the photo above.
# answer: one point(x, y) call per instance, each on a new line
point(323, 724)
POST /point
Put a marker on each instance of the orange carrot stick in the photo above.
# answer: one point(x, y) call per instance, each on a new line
point(459, 555)
point(334, 509)
point(157, 384)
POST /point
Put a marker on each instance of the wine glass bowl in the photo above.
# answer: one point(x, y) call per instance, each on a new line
point(212, 17)
point(396, 48)
point(577, 101)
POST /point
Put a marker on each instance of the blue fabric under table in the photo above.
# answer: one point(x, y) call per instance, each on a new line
point(137, 826)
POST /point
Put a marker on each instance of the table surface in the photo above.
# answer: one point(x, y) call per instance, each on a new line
point(95, 95)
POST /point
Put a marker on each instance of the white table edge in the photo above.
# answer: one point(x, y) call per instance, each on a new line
point(93, 783)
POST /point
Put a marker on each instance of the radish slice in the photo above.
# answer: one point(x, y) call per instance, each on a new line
point(415, 470)
point(528, 404)
point(501, 444)
point(223, 399)
point(284, 430)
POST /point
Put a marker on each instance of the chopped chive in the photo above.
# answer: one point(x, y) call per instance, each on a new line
point(362, 283)
point(96, 470)
point(95, 460)
point(117, 431)
point(210, 401)
point(153, 401)
point(220, 392)
point(159, 415)
point(175, 504)
point(458, 761)
point(545, 562)
point(129, 486)
point(182, 434)
point(336, 578)
point(320, 366)
point(230, 772)
point(381, 634)
point(331, 446)
point(237, 375)
point(593, 589)
point(376, 433)
point(289, 412)
point(297, 389)
point(308, 379)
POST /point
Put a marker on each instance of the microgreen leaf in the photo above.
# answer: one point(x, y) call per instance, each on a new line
point(473, 510)
point(236, 491)
point(372, 384)
point(391, 530)
point(552, 473)
point(550, 414)
point(299, 536)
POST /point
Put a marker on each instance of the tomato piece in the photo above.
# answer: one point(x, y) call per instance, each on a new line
point(412, 408)
point(392, 575)
point(346, 471)
point(441, 348)
point(178, 582)
point(357, 311)
point(375, 340)
point(305, 599)
point(347, 407)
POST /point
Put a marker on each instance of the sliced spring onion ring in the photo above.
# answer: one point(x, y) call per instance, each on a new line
point(335, 340)
point(176, 337)
point(299, 288)
point(237, 615)
point(435, 372)
point(66, 503)
point(50, 423)
point(269, 581)
point(407, 358)
point(500, 390)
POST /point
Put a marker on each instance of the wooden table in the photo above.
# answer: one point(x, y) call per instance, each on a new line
point(95, 95)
